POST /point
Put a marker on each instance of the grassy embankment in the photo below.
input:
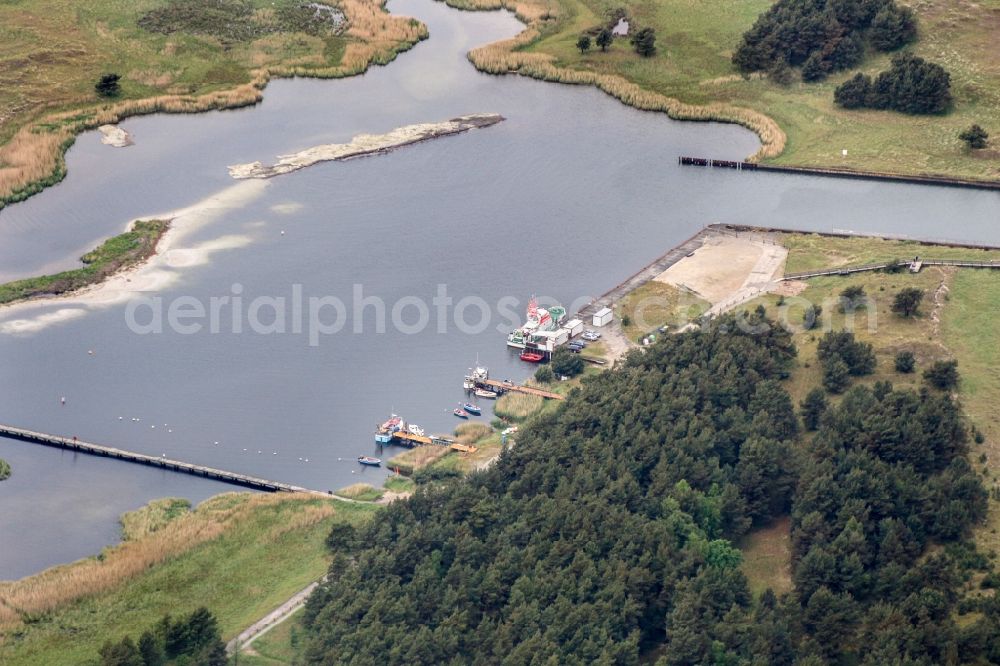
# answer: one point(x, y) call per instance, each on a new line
point(957, 320)
point(691, 76)
point(196, 55)
point(113, 255)
point(240, 554)
point(4, 469)
point(277, 647)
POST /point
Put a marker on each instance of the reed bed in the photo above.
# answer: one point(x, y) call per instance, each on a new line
point(34, 158)
point(506, 57)
point(32, 597)
point(517, 406)
point(363, 492)
point(416, 458)
point(153, 517)
point(472, 432)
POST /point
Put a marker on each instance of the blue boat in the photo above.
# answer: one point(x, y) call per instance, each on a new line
point(472, 409)
point(383, 438)
point(368, 460)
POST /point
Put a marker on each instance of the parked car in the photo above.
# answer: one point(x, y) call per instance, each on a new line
point(591, 335)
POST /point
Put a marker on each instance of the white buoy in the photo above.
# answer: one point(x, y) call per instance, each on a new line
point(282, 232)
point(275, 453)
point(258, 453)
point(119, 418)
point(90, 351)
point(62, 400)
point(169, 430)
point(307, 459)
point(243, 449)
point(152, 426)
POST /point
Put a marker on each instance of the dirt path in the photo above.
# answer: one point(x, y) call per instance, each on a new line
point(271, 620)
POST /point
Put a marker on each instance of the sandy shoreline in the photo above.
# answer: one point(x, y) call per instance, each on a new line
point(156, 273)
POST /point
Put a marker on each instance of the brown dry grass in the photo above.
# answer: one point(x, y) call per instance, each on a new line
point(416, 458)
point(33, 157)
point(54, 588)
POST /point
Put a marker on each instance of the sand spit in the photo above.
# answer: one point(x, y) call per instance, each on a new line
point(364, 144)
point(112, 135)
point(158, 272)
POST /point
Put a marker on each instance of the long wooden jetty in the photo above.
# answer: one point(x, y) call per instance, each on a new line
point(74, 444)
point(839, 172)
point(517, 388)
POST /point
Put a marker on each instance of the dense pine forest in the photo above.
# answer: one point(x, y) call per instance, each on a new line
point(605, 536)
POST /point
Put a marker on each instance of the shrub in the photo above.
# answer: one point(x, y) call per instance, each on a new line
point(905, 362)
point(907, 301)
point(583, 43)
point(566, 363)
point(108, 86)
point(975, 137)
point(942, 375)
point(545, 375)
point(604, 39)
point(644, 42)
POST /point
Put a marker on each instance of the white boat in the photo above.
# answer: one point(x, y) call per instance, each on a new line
point(483, 393)
point(538, 319)
point(414, 429)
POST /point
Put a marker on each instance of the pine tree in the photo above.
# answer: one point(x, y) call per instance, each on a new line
point(813, 408)
point(644, 42)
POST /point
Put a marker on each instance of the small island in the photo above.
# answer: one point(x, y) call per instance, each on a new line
point(365, 144)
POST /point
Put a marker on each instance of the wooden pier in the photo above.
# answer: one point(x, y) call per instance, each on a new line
point(501, 387)
point(73, 444)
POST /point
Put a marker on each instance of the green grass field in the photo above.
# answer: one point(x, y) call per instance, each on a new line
point(695, 40)
point(277, 647)
point(267, 551)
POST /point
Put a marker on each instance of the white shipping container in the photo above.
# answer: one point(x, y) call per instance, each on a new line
point(575, 327)
point(603, 317)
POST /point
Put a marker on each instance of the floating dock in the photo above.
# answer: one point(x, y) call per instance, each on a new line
point(74, 444)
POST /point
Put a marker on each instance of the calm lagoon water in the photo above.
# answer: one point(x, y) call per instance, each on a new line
point(568, 196)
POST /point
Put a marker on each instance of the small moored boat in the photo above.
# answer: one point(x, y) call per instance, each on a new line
point(368, 460)
point(483, 393)
point(472, 409)
point(460, 413)
point(532, 357)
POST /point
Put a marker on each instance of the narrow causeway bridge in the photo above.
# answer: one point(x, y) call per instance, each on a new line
point(74, 444)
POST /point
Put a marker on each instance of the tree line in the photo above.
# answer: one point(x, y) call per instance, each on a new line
point(608, 531)
point(823, 36)
point(191, 640)
point(912, 85)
